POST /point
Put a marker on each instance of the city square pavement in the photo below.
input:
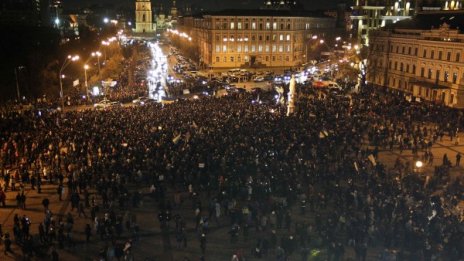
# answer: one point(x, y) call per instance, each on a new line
point(150, 245)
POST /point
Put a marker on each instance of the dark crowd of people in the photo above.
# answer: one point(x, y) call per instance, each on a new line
point(310, 185)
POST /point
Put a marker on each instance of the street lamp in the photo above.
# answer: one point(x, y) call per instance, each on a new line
point(86, 67)
point(66, 62)
point(97, 54)
point(105, 43)
point(17, 82)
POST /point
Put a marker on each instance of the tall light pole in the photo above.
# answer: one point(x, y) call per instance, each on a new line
point(86, 67)
point(97, 54)
point(66, 62)
point(17, 81)
point(105, 43)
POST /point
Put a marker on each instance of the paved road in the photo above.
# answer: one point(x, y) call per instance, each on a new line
point(151, 245)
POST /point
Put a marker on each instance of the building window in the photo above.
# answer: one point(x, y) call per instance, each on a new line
point(253, 25)
point(288, 26)
point(409, 50)
point(288, 37)
point(274, 26)
point(455, 77)
point(246, 58)
point(403, 50)
point(424, 55)
point(281, 48)
point(437, 75)
point(245, 48)
point(232, 25)
point(218, 48)
point(430, 74)
point(253, 38)
point(260, 37)
point(253, 48)
point(274, 37)
point(396, 65)
point(260, 48)
point(225, 59)
point(288, 48)
point(440, 54)
point(224, 26)
point(397, 49)
point(414, 69)
point(390, 65)
point(422, 72)
point(267, 48)
point(217, 59)
point(273, 58)
point(268, 26)
point(224, 48)
point(239, 48)
point(143, 20)
point(458, 57)
point(281, 26)
point(268, 37)
point(401, 67)
point(415, 51)
point(445, 77)
point(232, 59)
point(239, 25)
point(432, 54)
point(267, 58)
point(274, 48)
point(448, 56)
point(281, 37)
point(260, 26)
point(217, 37)
point(239, 59)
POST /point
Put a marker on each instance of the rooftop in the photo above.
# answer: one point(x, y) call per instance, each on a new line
point(429, 20)
point(265, 12)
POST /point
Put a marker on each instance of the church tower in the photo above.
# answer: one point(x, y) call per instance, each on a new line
point(143, 17)
point(173, 10)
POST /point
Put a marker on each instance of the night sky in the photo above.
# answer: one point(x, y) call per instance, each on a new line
point(207, 4)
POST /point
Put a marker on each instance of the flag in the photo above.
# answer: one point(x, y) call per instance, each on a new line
point(177, 138)
point(372, 159)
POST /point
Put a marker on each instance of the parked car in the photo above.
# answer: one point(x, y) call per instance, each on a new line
point(105, 103)
point(142, 100)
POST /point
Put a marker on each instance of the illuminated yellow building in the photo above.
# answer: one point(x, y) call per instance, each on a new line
point(143, 17)
point(423, 57)
point(251, 38)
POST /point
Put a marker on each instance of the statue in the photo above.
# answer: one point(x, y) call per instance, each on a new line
point(291, 96)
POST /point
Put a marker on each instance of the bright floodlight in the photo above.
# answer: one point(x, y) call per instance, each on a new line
point(57, 21)
point(419, 164)
point(86, 67)
point(106, 20)
point(95, 91)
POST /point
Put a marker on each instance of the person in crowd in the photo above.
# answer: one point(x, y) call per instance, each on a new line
point(246, 164)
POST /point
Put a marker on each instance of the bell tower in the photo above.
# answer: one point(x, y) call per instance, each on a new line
point(143, 17)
